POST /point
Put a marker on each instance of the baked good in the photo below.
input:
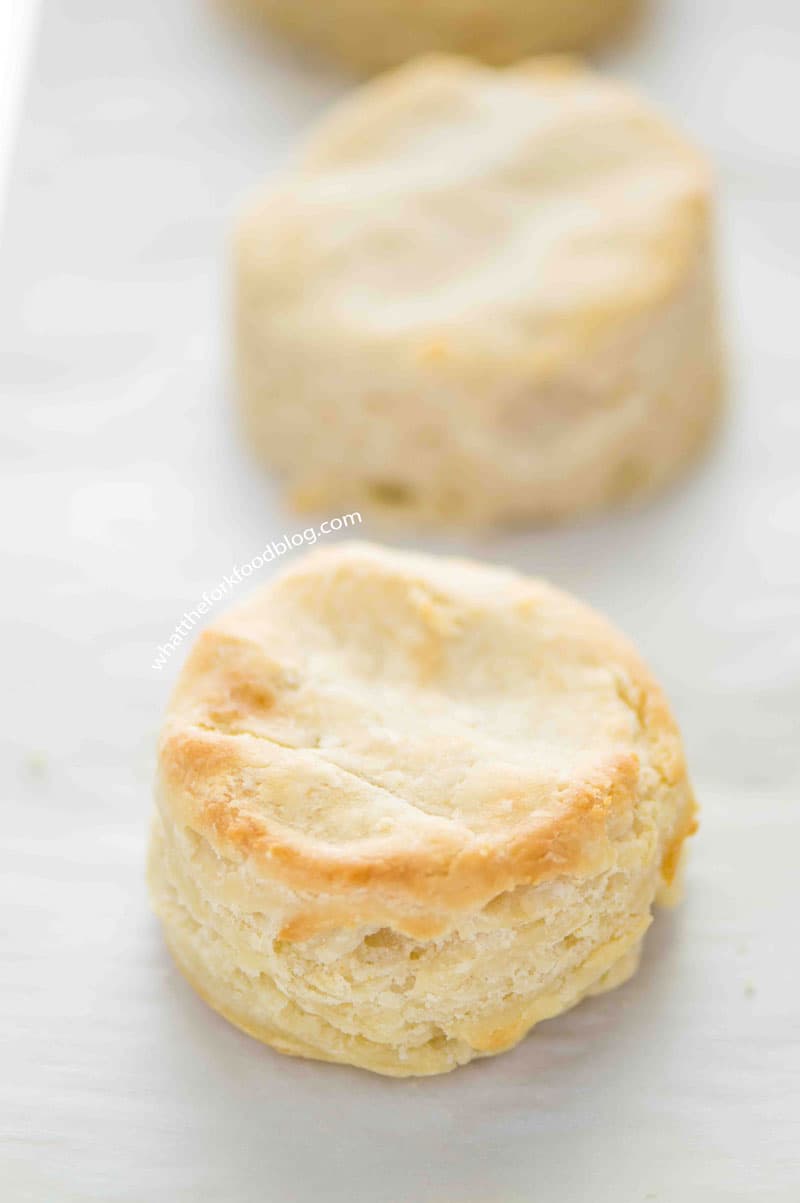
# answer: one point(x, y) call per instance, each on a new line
point(371, 35)
point(480, 297)
point(407, 807)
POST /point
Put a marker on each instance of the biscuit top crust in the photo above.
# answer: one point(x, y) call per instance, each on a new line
point(407, 733)
point(510, 211)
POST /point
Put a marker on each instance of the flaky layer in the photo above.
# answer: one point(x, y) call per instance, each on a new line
point(384, 1002)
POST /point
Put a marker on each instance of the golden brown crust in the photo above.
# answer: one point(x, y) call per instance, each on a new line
point(243, 747)
point(443, 875)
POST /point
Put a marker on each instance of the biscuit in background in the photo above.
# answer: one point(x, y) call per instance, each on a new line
point(408, 807)
point(480, 297)
point(373, 35)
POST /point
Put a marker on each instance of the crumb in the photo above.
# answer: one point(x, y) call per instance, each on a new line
point(749, 989)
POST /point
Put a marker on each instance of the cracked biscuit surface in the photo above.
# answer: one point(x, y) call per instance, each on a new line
point(480, 297)
point(407, 807)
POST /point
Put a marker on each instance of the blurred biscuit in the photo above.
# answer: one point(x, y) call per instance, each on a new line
point(480, 297)
point(371, 35)
point(408, 807)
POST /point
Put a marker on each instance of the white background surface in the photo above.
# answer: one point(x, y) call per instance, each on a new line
point(125, 493)
point(17, 21)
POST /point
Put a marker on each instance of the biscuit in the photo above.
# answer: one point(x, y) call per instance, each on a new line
point(408, 807)
point(371, 35)
point(480, 297)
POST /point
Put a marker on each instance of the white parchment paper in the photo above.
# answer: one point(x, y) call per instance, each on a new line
point(124, 494)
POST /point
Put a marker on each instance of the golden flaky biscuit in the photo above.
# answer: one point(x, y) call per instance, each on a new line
point(480, 296)
point(408, 807)
point(371, 35)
